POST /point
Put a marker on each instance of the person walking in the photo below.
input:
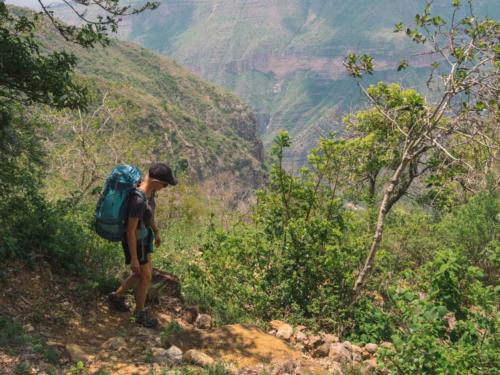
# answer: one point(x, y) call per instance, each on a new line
point(137, 242)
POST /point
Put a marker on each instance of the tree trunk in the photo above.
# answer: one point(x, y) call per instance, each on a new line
point(385, 206)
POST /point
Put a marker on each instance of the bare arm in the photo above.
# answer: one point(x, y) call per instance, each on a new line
point(132, 224)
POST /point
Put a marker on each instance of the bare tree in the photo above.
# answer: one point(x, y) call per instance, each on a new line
point(95, 25)
point(465, 73)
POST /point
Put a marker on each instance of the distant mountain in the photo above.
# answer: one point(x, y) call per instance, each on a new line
point(285, 56)
point(160, 111)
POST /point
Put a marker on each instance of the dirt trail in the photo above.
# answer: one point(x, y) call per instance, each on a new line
point(77, 324)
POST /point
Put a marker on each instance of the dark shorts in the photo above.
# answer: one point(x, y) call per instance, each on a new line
point(144, 248)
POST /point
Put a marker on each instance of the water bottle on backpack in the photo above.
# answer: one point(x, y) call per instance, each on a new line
point(112, 208)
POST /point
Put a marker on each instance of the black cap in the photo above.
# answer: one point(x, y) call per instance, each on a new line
point(163, 173)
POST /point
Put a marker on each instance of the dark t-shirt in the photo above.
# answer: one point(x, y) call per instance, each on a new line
point(143, 210)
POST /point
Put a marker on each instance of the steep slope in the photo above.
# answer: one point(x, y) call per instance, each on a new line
point(285, 56)
point(148, 108)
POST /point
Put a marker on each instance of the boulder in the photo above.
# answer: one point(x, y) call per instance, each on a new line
point(339, 353)
point(203, 321)
point(77, 353)
point(300, 337)
point(276, 324)
point(198, 358)
point(370, 364)
point(174, 354)
point(284, 332)
point(371, 348)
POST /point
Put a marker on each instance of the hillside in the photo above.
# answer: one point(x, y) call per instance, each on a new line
point(146, 107)
point(285, 57)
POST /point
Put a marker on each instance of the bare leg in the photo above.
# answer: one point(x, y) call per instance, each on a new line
point(142, 290)
point(128, 283)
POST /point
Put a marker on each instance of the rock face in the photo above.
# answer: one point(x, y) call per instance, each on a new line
point(198, 358)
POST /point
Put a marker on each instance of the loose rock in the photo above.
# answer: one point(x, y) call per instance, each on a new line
point(198, 358)
point(203, 321)
point(174, 354)
point(77, 353)
point(159, 355)
point(285, 332)
point(339, 353)
point(370, 363)
point(114, 343)
point(371, 348)
point(28, 328)
point(300, 336)
point(276, 324)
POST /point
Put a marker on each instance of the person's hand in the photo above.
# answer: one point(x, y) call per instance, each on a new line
point(135, 266)
point(157, 239)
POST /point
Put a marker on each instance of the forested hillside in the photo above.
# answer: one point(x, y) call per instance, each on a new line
point(379, 256)
point(285, 57)
point(146, 107)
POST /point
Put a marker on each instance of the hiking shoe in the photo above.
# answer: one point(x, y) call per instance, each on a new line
point(144, 318)
point(118, 303)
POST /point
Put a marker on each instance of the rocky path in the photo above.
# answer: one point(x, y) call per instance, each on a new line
point(63, 318)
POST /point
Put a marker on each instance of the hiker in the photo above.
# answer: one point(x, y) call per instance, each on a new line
point(141, 218)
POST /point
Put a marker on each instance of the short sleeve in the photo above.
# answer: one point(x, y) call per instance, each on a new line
point(136, 207)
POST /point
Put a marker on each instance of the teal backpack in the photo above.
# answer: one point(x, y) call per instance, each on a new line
point(112, 207)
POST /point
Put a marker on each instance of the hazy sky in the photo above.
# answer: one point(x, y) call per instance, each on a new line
point(31, 3)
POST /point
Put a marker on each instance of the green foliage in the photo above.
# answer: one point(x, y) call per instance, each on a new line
point(172, 329)
point(371, 322)
point(294, 260)
point(29, 75)
point(12, 335)
point(435, 340)
point(14, 340)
